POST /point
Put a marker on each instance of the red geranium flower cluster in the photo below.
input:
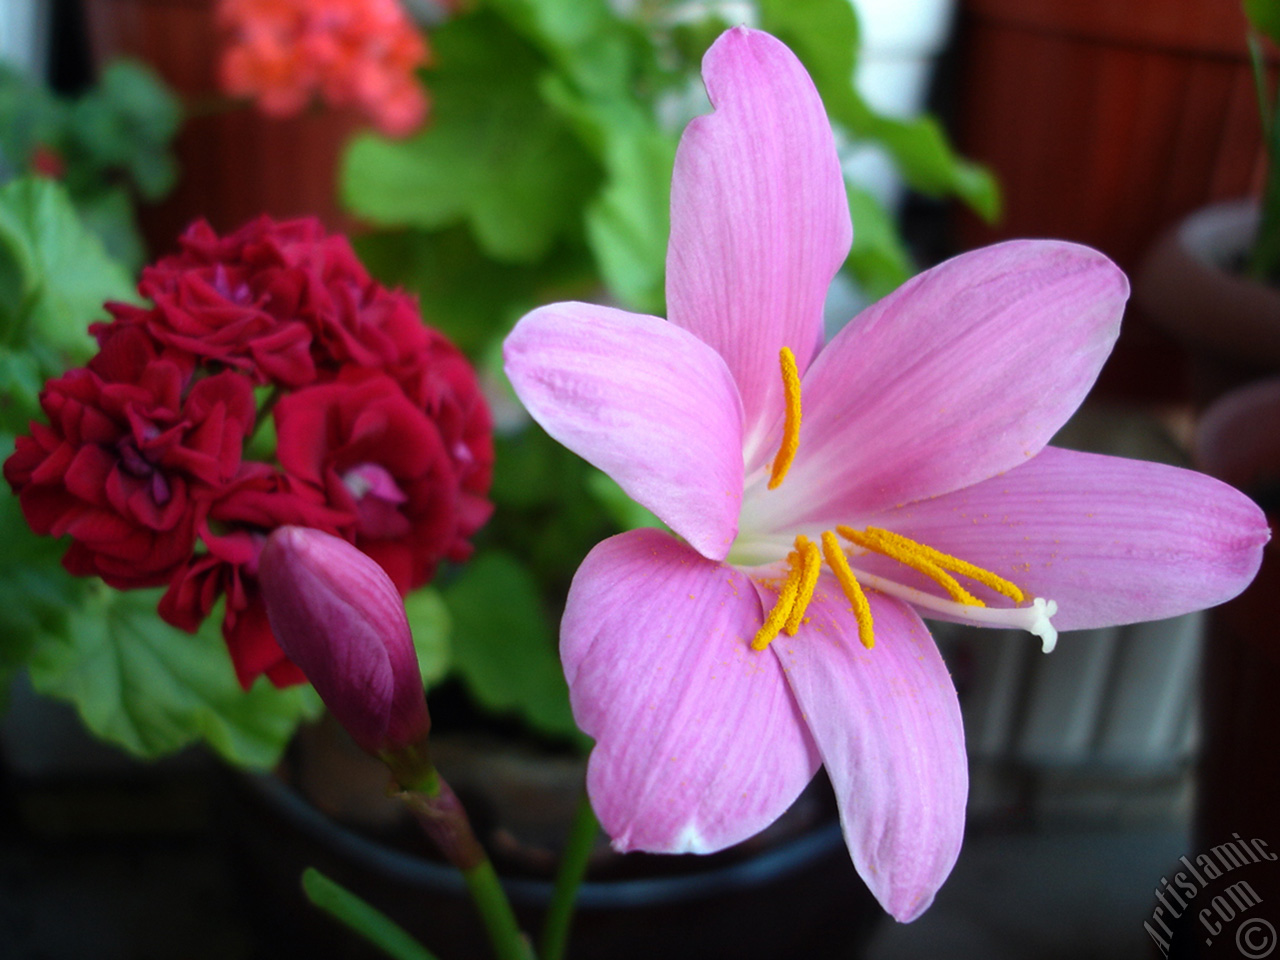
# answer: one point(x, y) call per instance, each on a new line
point(382, 434)
point(283, 52)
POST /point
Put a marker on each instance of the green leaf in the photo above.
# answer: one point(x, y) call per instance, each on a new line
point(1264, 259)
point(1264, 16)
point(604, 84)
point(694, 37)
point(628, 222)
point(153, 689)
point(113, 140)
point(36, 594)
point(474, 300)
point(824, 35)
point(494, 155)
point(546, 515)
point(504, 647)
point(365, 919)
point(532, 470)
point(22, 375)
point(590, 45)
point(877, 259)
point(123, 125)
point(928, 163)
point(57, 272)
point(29, 117)
point(628, 514)
point(429, 621)
point(109, 215)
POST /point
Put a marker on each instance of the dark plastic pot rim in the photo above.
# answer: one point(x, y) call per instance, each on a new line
point(767, 866)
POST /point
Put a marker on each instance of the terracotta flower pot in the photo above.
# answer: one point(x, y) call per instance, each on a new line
point(1190, 287)
point(234, 162)
point(1105, 123)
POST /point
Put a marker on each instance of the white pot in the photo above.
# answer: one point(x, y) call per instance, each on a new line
point(900, 44)
point(1229, 323)
point(24, 35)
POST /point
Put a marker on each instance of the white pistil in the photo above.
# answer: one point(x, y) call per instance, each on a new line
point(1034, 617)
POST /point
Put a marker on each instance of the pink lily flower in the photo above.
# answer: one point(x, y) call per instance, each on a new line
point(822, 498)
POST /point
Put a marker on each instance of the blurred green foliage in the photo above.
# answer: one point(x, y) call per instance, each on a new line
point(107, 147)
point(544, 174)
point(1264, 20)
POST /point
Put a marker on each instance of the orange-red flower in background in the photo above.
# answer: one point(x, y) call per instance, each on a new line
point(362, 52)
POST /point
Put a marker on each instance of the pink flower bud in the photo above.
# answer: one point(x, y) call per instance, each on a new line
point(338, 616)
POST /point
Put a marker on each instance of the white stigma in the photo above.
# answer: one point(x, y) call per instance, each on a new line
point(1033, 617)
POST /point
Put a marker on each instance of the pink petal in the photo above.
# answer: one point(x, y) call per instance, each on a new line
point(887, 723)
point(643, 400)
point(699, 744)
point(759, 218)
point(963, 372)
point(1111, 540)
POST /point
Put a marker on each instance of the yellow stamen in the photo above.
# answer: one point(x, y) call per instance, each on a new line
point(852, 589)
point(956, 565)
point(811, 566)
point(804, 565)
point(777, 618)
point(791, 426)
point(932, 563)
point(804, 569)
point(911, 554)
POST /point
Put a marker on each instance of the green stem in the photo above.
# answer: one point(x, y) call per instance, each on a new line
point(495, 910)
point(440, 814)
point(573, 867)
point(264, 410)
point(359, 917)
point(1258, 63)
point(1264, 262)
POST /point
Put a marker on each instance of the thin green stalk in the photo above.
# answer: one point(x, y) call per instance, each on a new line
point(1257, 60)
point(264, 409)
point(573, 867)
point(440, 814)
point(1264, 262)
point(495, 910)
point(358, 916)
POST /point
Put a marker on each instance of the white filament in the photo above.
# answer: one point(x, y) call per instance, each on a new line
point(1034, 618)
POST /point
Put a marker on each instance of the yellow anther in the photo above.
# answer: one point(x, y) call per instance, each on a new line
point(791, 426)
point(956, 565)
point(932, 563)
point(810, 567)
point(777, 618)
point(910, 554)
point(804, 568)
point(852, 589)
point(804, 565)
